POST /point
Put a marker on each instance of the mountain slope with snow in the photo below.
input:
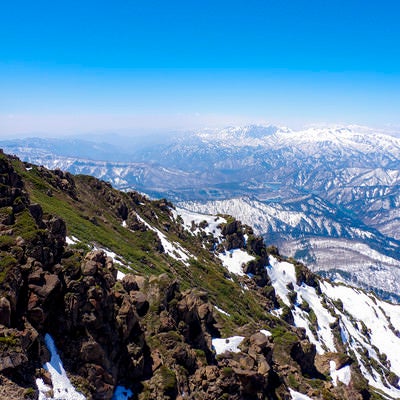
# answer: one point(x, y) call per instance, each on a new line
point(337, 247)
point(143, 300)
point(309, 187)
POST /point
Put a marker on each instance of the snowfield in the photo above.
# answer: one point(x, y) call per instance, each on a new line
point(368, 325)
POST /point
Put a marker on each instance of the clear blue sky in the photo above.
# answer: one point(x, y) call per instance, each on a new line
point(84, 66)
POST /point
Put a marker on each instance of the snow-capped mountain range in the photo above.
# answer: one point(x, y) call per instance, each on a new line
point(323, 194)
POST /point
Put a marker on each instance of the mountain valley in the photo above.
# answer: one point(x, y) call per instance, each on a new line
point(328, 196)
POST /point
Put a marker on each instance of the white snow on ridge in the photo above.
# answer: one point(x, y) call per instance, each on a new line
point(254, 213)
point(283, 274)
point(371, 311)
point(364, 323)
point(174, 250)
point(234, 259)
point(188, 217)
point(120, 275)
point(115, 257)
point(71, 240)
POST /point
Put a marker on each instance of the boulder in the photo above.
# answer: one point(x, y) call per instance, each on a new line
point(5, 312)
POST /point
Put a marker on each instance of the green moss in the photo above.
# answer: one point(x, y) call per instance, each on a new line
point(282, 336)
point(293, 381)
point(6, 213)
point(30, 393)
point(168, 379)
point(227, 371)
point(25, 226)
point(305, 306)
point(7, 262)
point(9, 341)
point(6, 242)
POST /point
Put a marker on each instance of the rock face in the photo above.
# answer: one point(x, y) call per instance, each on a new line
point(74, 297)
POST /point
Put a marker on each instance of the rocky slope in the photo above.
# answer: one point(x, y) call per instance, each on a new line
point(147, 301)
point(315, 234)
point(319, 192)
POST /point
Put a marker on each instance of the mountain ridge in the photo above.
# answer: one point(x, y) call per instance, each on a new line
point(140, 296)
point(351, 171)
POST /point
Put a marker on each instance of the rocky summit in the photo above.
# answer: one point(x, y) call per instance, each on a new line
point(109, 295)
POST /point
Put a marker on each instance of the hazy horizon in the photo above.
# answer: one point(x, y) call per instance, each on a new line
point(78, 68)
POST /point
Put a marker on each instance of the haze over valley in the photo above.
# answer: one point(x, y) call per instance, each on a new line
point(328, 196)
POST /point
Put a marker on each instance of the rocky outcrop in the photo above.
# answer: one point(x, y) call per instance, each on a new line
point(75, 298)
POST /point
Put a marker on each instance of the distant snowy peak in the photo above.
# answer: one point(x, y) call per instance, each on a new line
point(351, 137)
point(251, 135)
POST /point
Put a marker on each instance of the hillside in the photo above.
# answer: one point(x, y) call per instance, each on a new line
point(311, 231)
point(319, 194)
point(144, 300)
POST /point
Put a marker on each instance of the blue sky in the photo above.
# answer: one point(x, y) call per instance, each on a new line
point(127, 65)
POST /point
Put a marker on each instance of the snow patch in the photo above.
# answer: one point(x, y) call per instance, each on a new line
point(115, 257)
point(120, 275)
point(222, 311)
point(196, 222)
point(234, 259)
point(366, 324)
point(229, 344)
point(71, 240)
point(282, 274)
point(343, 374)
point(62, 387)
point(173, 249)
point(298, 396)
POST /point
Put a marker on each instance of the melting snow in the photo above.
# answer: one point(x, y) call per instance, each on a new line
point(114, 256)
point(298, 396)
point(222, 311)
point(342, 374)
point(234, 259)
point(375, 316)
point(265, 332)
point(120, 275)
point(174, 250)
point(62, 387)
point(71, 240)
point(213, 222)
point(229, 344)
point(282, 274)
